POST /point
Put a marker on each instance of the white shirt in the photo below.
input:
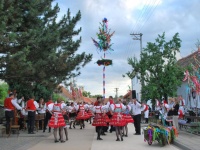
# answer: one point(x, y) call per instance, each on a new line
point(113, 106)
point(71, 109)
point(136, 108)
point(41, 109)
point(50, 106)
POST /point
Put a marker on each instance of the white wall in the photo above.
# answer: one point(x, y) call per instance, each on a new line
point(136, 85)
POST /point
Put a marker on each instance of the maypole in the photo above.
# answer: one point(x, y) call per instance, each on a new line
point(104, 45)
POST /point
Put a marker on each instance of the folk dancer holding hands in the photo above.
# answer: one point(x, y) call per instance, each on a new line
point(57, 120)
point(118, 119)
point(99, 120)
point(127, 117)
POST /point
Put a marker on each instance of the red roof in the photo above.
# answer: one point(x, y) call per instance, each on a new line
point(128, 95)
point(186, 61)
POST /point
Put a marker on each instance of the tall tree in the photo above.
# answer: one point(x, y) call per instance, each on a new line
point(38, 50)
point(158, 68)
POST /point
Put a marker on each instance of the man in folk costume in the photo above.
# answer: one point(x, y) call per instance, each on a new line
point(136, 111)
point(118, 119)
point(57, 120)
point(48, 114)
point(145, 109)
point(99, 119)
point(10, 103)
point(31, 107)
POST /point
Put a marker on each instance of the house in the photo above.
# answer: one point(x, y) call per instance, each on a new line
point(128, 95)
point(67, 94)
point(192, 98)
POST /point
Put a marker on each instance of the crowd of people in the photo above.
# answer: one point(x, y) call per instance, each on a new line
point(171, 110)
point(105, 116)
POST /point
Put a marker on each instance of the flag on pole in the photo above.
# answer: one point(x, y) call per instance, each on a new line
point(80, 92)
point(73, 92)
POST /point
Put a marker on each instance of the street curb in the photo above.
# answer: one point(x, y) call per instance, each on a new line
point(181, 146)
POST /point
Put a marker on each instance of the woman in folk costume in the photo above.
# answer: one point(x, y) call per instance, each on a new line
point(89, 111)
point(99, 120)
point(72, 115)
point(145, 109)
point(57, 120)
point(127, 117)
point(66, 118)
point(118, 119)
point(82, 114)
point(164, 111)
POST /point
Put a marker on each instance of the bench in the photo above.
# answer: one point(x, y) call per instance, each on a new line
point(190, 127)
point(186, 125)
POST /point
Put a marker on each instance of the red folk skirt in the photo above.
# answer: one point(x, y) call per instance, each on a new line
point(57, 120)
point(82, 115)
point(118, 120)
point(99, 120)
point(128, 118)
point(90, 113)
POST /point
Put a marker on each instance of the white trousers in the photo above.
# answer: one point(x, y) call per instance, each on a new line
point(175, 122)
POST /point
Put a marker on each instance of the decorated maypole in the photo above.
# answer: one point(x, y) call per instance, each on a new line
point(104, 45)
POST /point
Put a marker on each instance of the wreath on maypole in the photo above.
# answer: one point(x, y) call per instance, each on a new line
point(105, 62)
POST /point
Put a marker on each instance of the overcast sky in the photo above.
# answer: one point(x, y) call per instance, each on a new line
point(149, 17)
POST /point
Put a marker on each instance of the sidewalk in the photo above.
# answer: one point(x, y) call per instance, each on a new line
point(187, 141)
point(86, 140)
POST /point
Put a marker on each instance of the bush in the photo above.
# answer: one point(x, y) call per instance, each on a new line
point(3, 92)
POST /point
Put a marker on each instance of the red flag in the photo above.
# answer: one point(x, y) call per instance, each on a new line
point(73, 91)
point(80, 92)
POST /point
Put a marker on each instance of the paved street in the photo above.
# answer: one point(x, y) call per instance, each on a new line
point(86, 140)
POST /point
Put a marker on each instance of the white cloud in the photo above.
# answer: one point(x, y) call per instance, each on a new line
point(150, 17)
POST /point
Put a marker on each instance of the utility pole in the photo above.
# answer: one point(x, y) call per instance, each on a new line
point(116, 90)
point(138, 36)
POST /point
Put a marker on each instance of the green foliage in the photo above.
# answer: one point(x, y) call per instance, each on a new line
point(38, 51)
point(3, 92)
point(57, 96)
point(95, 96)
point(86, 94)
point(158, 68)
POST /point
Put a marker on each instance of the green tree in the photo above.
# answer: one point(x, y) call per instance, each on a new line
point(158, 68)
point(3, 92)
point(86, 94)
point(38, 50)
